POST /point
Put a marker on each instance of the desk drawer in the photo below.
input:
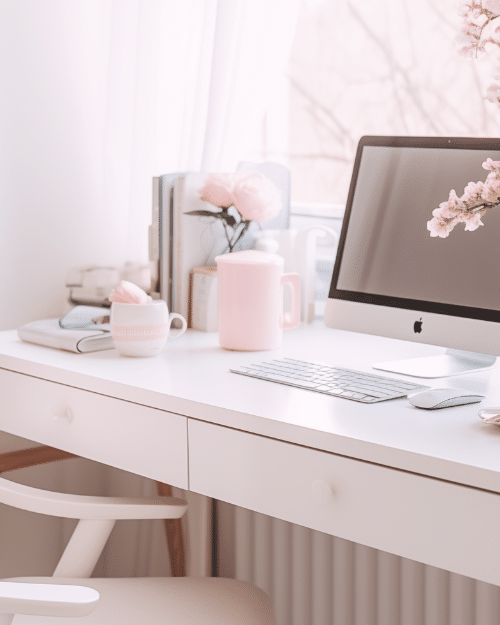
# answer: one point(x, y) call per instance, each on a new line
point(424, 519)
point(128, 436)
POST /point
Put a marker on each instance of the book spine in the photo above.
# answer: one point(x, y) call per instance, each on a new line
point(177, 251)
point(154, 239)
point(154, 236)
point(164, 265)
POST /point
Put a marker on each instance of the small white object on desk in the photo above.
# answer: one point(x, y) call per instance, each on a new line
point(298, 248)
point(490, 415)
point(204, 299)
point(443, 398)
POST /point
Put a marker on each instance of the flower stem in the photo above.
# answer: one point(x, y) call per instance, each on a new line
point(242, 232)
point(227, 235)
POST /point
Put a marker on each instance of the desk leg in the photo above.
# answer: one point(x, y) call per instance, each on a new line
point(175, 538)
point(24, 458)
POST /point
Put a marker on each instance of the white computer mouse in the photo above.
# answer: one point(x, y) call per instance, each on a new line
point(433, 398)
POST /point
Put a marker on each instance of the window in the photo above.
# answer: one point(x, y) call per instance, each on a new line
point(358, 68)
point(384, 67)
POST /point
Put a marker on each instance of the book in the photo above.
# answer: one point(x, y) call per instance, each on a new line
point(196, 241)
point(49, 333)
point(161, 236)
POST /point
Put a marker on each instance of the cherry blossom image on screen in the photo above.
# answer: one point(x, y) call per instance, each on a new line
point(478, 199)
point(480, 32)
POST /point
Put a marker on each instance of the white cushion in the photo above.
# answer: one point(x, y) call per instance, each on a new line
point(166, 601)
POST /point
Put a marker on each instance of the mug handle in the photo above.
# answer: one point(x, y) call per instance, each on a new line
point(292, 319)
point(176, 332)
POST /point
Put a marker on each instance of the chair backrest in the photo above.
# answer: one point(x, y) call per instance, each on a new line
point(97, 518)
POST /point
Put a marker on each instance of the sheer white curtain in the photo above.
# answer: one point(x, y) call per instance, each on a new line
point(187, 85)
point(98, 97)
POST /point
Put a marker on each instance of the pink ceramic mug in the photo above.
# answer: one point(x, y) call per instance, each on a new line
point(251, 314)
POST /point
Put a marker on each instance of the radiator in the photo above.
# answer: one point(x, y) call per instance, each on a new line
point(317, 579)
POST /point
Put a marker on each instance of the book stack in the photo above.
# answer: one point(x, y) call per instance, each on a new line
point(178, 242)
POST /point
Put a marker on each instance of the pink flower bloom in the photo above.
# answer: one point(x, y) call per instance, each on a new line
point(464, 39)
point(472, 222)
point(256, 197)
point(491, 189)
point(463, 10)
point(492, 5)
point(467, 51)
point(491, 165)
point(439, 229)
point(453, 200)
point(493, 93)
point(443, 212)
point(472, 189)
point(217, 190)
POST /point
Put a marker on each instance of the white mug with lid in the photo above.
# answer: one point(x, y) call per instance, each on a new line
point(142, 329)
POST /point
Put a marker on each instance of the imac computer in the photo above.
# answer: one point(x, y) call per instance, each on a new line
point(391, 278)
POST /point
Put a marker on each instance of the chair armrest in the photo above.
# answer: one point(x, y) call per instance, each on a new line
point(46, 599)
point(85, 507)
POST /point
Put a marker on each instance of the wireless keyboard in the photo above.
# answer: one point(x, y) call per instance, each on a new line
point(323, 378)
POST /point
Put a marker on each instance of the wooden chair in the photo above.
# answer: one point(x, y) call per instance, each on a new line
point(34, 456)
point(123, 601)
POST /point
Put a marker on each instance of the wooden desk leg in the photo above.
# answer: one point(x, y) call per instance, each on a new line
point(175, 538)
point(34, 456)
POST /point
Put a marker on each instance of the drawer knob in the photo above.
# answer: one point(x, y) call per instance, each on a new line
point(67, 415)
point(322, 492)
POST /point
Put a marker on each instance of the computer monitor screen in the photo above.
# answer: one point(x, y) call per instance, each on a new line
point(391, 277)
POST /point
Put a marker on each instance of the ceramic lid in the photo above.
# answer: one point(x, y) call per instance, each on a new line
point(250, 257)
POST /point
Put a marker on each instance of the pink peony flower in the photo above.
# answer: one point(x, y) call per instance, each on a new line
point(217, 190)
point(256, 197)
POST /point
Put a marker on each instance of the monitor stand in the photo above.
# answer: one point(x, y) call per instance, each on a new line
point(453, 362)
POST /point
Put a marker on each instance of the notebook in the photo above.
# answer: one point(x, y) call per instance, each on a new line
point(72, 337)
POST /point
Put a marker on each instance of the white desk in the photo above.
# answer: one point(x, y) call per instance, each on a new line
point(422, 485)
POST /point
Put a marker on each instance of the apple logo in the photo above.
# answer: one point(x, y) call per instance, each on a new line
point(417, 326)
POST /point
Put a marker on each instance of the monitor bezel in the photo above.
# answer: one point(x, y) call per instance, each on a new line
point(451, 310)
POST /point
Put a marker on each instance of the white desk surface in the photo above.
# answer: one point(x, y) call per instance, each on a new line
point(191, 378)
